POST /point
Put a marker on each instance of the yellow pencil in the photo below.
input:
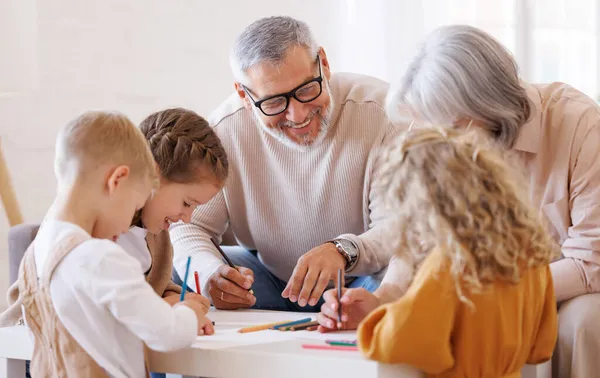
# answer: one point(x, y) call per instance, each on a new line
point(261, 327)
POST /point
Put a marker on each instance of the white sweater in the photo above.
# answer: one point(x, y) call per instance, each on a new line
point(283, 201)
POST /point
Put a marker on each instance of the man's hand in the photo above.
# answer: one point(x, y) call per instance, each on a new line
point(228, 288)
point(356, 305)
point(314, 271)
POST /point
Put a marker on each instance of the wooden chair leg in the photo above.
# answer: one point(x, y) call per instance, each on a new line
point(7, 194)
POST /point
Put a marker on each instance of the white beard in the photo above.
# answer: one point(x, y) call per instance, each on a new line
point(306, 143)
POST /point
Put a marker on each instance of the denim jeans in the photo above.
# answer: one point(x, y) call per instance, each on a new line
point(267, 287)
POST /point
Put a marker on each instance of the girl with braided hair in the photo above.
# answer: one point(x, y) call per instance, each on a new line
point(192, 166)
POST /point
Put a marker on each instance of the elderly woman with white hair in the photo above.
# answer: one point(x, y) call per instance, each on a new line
point(465, 78)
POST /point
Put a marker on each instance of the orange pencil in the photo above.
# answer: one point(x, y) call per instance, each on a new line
point(197, 283)
point(261, 327)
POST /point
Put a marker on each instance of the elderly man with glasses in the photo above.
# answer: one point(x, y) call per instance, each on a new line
point(302, 145)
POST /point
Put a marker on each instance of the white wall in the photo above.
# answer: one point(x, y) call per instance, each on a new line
point(135, 56)
point(139, 56)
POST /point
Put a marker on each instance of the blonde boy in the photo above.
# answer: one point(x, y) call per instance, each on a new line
point(85, 299)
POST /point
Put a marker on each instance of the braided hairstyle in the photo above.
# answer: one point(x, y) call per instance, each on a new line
point(184, 146)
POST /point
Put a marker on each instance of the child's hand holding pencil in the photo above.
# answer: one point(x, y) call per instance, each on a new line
point(205, 325)
point(202, 300)
point(355, 305)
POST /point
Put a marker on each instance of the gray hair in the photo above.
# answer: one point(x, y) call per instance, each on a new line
point(461, 72)
point(269, 40)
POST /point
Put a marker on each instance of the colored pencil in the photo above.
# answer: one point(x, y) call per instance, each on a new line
point(339, 297)
point(184, 285)
point(341, 343)
point(226, 258)
point(261, 327)
point(290, 324)
point(330, 347)
point(351, 342)
point(304, 326)
point(197, 282)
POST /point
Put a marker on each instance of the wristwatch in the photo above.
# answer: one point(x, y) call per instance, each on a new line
point(349, 250)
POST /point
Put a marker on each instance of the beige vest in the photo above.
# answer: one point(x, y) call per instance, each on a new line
point(55, 352)
point(159, 277)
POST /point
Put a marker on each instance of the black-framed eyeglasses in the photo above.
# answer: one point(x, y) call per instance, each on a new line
point(306, 92)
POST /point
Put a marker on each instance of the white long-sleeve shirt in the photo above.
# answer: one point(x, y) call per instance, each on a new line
point(283, 201)
point(101, 296)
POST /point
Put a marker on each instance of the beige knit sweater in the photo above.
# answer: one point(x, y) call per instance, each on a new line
point(283, 201)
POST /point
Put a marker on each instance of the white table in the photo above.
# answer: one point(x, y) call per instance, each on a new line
point(249, 356)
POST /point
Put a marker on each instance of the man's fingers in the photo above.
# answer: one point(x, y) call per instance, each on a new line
point(295, 283)
point(234, 276)
point(321, 285)
point(307, 287)
point(230, 289)
point(248, 274)
point(229, 298)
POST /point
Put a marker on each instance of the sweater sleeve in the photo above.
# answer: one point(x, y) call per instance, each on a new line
point(415, 330)
point(193, 239)
point(374, 252)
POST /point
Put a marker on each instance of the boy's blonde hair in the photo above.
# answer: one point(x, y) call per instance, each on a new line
point(455, 191)
point(96, 138)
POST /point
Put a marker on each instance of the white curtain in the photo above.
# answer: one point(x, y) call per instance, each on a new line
point(552, 40)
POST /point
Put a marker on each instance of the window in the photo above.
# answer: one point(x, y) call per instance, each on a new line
point(552, 40)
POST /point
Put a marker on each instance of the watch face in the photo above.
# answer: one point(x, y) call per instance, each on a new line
point(348, 246)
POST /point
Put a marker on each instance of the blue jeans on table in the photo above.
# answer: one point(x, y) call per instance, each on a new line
point(267, 287)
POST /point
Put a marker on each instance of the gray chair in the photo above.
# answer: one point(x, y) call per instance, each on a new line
point(19, 239)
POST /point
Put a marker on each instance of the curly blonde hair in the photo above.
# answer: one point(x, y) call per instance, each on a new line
point(456, 192)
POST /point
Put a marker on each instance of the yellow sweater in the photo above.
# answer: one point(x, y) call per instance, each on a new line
point(432, 330)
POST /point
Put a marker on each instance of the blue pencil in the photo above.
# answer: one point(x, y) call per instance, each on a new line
point(306, 320)
point(184, 285)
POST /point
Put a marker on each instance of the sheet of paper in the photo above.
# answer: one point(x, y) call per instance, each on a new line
point(247, 318)
point(316, 335)
point(227, 323)
point(228, 338)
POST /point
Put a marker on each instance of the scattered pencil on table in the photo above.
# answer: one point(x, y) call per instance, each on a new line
point(291, 324)
point(341, 343)
point(197, 282)
point(304, 326)
point(330, 347)
point(262, 327)
point(226, 258)
point(184, 284)
point(339, 298)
